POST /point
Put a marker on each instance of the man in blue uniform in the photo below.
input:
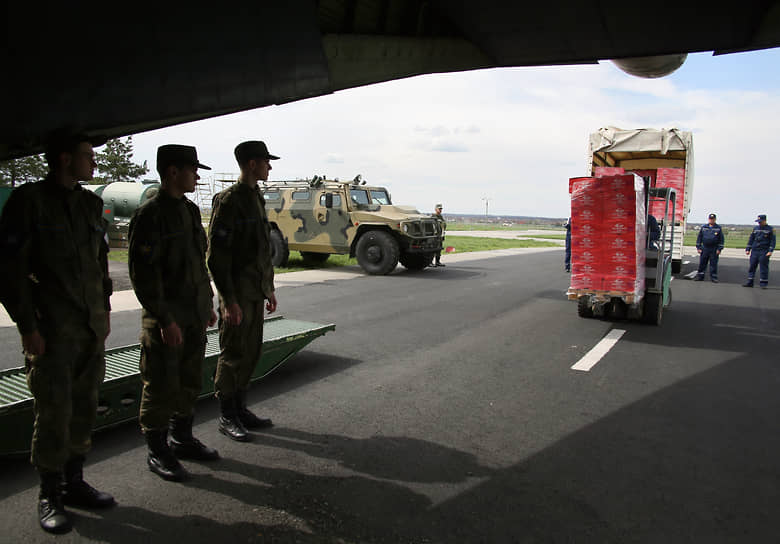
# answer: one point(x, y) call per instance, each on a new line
point(709, 244)
point(760, 246)
point(567, 259)
point(653, 232)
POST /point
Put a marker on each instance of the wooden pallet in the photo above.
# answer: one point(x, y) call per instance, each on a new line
point(628, 297)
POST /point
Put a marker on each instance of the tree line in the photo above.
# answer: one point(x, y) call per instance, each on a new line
point(114, 163)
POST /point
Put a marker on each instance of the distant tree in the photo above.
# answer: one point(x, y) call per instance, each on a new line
point(115, 162)
point(18, 171)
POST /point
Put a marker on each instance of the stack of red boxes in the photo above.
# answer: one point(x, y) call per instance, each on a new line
point(675, 179)
point(608, 234)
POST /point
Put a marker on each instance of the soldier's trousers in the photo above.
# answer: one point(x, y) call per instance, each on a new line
point(240, 350)
point(758, 259)
point(708, 254)
point(172, 376)
point(64, 382)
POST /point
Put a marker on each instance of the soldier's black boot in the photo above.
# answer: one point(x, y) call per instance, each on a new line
point(161, 459)
point(186, 446)
point(51, 513)
point(77, 492)
point(229, 423)
point(247, 418)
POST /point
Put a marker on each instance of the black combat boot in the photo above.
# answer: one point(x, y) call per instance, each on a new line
point(77, 492)
point(229, 423)
point(186, 446)
point(51, 513)
point(247, 418)
point(161, 459)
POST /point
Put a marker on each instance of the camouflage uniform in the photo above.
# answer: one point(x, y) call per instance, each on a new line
point(54, 279)
point(443, 225)
point(167, 268)
point(240, 262)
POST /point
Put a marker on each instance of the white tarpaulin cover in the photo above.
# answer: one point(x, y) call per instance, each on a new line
point(642, 139)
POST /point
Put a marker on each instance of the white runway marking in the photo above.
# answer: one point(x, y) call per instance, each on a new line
point(598, 351)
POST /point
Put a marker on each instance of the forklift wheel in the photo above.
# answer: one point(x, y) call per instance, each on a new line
point(654, 308)
point(583, 307)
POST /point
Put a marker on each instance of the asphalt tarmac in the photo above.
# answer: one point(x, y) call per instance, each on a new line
point(444, 409)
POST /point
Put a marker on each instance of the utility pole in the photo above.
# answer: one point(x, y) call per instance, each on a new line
point(486, 200)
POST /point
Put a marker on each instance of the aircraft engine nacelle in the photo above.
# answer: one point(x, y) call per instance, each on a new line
point(651, 67)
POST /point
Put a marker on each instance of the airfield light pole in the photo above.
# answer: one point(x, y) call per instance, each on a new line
point(486, 200)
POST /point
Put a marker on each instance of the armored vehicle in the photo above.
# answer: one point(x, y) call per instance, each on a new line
point(323, 217)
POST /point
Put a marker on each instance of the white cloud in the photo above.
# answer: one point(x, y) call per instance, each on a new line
point(514, 135)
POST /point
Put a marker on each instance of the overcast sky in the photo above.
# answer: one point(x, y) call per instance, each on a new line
point(516, 135)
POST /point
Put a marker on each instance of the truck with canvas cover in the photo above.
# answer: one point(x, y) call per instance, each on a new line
point(663, 155)
point(323, 217)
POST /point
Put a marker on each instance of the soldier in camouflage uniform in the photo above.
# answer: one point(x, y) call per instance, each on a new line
point(443, 224)
point(240, 262)
point(54, 283)
point(168, 271)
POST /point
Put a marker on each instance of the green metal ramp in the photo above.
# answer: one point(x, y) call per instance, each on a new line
point(120, 393)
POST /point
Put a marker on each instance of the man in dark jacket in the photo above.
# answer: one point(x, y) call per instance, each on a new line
point(240, 260)
point(54, 283)
point(167, 260)
point(709, 244)
point(760, 247)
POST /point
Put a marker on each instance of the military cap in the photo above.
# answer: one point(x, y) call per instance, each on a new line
point(66, 140)
point(761, 217)
point(439, 206)
point(252, 149)
point(713, 216)
point(177, 154)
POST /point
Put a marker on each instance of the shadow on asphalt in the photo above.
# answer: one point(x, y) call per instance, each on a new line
point(304, 368)
point(695, 462)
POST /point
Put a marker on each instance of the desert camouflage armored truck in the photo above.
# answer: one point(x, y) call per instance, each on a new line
point(322, 217)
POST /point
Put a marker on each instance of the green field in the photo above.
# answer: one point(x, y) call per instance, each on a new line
point(462, 244)
point(453, 226)
point(546, 236)
point(735, 240)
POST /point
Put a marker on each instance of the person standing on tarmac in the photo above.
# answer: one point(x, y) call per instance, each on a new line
point(167, 260)
point(443, 224)
point(567, 258)
point(760, 247)
point(709, 244)
point(239, 258)
point(54, 283)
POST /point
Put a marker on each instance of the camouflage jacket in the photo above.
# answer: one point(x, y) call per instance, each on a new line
point(239, 245)
point(167, 262)
point(55, 267)
point(443, 224)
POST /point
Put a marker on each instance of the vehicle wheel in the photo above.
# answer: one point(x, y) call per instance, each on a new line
point(654, 309)
point(583, 307)
point(676, 266)
point(311, 257)
point(377, 252)
point(279, 250)
point(416, 261)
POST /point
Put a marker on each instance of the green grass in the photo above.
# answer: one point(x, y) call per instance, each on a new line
point(466, 244)
point(453, 226)
point(546, 236)
point(462, 244)
point(735, 240)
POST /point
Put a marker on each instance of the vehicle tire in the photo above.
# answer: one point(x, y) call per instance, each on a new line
point(653, 311)
point(279, 250)
point(312, 257)
point(416, 261)
point(676, 266)
point(583, 307)
point(377, 252)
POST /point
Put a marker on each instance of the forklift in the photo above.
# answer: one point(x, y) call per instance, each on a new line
point(650, 306)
